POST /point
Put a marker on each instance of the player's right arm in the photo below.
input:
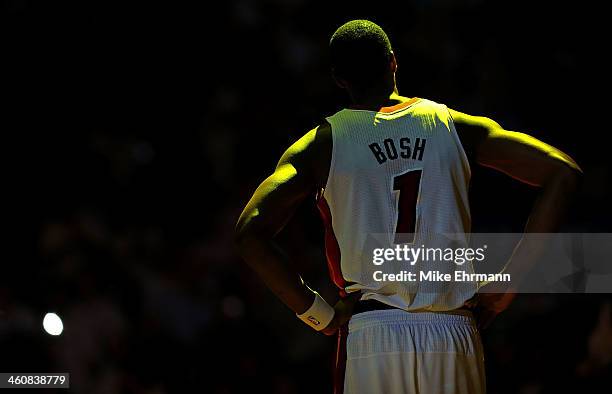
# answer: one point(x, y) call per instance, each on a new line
point(301, 171)
point(530, 161)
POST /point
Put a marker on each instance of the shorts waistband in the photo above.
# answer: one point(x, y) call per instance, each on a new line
point(399, 316)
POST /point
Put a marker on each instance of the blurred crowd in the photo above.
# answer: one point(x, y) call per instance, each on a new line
point(144, 129)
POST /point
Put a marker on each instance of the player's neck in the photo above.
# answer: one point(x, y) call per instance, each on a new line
point(373, 102)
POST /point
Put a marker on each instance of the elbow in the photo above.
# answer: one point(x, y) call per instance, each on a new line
point(569, 177)
point(247, 238)
point(242, 234)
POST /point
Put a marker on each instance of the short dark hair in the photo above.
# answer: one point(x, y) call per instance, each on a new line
point(360, 52)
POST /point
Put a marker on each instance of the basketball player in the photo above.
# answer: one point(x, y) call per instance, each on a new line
point(394, 165)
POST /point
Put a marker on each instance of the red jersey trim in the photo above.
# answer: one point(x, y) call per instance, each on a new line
point(399, 106)
point(391, 109)
point(332, 248)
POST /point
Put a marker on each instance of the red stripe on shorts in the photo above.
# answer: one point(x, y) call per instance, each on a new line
point(340, 367)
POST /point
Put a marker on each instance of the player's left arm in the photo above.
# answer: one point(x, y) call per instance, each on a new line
point(531, 161)
point(300, 172)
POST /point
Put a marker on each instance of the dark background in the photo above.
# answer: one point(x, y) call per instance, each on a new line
point(136, 132)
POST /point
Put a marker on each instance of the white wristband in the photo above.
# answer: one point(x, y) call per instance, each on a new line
point(319, 314)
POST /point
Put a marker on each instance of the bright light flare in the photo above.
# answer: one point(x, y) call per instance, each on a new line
point(53, 324)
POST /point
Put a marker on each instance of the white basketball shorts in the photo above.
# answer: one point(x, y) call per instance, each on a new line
point(397, 352)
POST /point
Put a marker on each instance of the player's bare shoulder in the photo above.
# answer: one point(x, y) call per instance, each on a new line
point(311, 154)
point(472, 131)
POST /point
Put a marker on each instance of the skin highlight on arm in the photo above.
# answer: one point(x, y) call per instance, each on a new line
point(530, 161)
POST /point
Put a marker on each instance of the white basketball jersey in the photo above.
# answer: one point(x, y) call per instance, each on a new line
point(401, 170)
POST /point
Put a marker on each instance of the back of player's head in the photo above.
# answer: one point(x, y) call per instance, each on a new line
point(360, 52)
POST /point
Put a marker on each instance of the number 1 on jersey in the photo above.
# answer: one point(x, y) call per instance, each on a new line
point(407, 185)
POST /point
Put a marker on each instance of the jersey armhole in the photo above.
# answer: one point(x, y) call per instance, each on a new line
point(457, 140)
